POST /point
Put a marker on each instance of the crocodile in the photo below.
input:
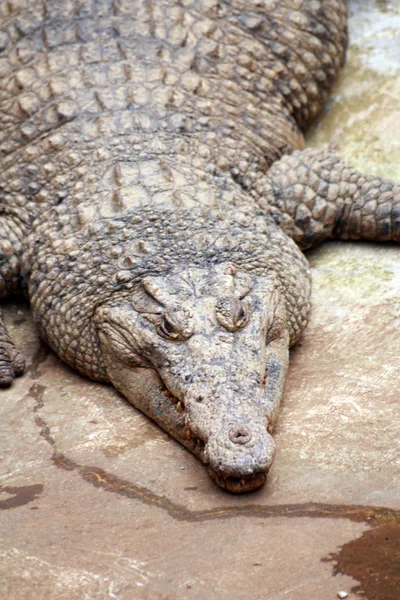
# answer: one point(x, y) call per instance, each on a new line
point(156, 197)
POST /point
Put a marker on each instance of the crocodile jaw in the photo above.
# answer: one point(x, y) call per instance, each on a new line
point(239, 472)
point(239, 485)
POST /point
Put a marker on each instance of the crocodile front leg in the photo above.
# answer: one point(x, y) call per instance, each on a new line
point(12, 363)
point(12, 231)
point(314, 195)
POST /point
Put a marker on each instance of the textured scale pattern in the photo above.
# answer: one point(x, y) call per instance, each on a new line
point(71, 273)
point(74, 77)
point(317, 196)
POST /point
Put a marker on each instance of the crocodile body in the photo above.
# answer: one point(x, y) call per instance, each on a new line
point(155, 196)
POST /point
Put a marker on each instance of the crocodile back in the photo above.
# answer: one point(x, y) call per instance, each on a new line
point(176, 92)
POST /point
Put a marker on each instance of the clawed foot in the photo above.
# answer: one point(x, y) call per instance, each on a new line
point(12, 363)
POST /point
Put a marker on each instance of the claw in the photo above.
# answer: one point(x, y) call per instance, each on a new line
point(12, 363)
point(6, 373)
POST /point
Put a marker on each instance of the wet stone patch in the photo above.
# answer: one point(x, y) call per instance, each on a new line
point(373, 560)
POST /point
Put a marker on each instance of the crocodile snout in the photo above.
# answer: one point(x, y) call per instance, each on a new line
point(217, 389)
point(239, 456)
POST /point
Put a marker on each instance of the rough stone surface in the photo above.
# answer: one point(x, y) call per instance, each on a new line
point(100, 503)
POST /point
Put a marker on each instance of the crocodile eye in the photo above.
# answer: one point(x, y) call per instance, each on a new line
point(241, 318)
point(174, 326)
point(167, 327)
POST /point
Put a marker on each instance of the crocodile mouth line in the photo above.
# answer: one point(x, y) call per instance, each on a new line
point(232, 484)
point(196, 444)
point(239, 485)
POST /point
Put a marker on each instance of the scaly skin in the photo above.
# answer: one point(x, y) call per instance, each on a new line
point(153, 188)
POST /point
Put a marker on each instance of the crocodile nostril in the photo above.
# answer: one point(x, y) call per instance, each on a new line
point(240, 435)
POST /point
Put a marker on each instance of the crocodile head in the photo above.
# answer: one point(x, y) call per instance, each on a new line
point(190, 323)
point(204, 353)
